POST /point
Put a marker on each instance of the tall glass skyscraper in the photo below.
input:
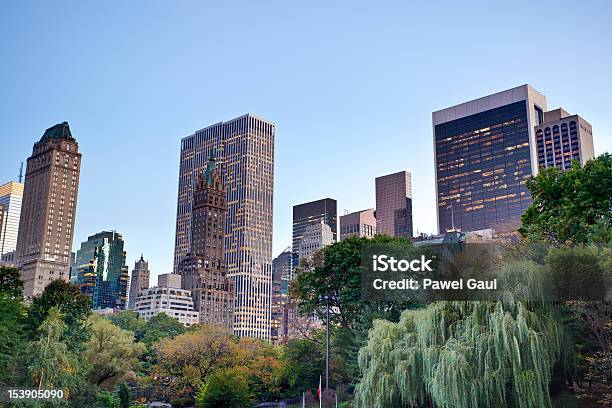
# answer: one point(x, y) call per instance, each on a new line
point(307, 214)
point(11, 195)
point(245, 150)
point(100, 270)
point(485, 150)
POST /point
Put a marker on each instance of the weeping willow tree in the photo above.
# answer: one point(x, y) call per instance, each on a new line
point(462, 355)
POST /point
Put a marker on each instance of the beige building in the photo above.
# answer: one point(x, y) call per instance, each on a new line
point(11, 196)
point(317, 236)
point(46, 225)
point(563, 138)
point(139, 280)
point(358, 224)
point(167, 297)
point(394, 204)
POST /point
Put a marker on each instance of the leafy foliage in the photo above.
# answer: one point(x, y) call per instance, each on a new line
point(160, 326)
point(569, 206)
point(224, 389)
point(10, 284)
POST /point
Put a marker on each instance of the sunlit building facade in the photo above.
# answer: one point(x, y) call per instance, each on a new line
point(11, 195)
point(563, 138)
point(358, 224)
point(485, 150)
point(281, 270)
point(307, 214)
point(139, 280)
point(245, 150)
point(394, 204)
point(48, 209)
point(100, 271)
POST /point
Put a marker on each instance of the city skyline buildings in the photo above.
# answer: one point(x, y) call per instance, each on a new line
point(11, 196)
point(48, 209)
point(394, 204)
point(307, 214)
point(139, 280)
point(245, 149)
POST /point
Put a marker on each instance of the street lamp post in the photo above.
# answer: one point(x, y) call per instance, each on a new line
point(327, 344)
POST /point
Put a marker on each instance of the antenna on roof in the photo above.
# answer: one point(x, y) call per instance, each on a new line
point(21, 172)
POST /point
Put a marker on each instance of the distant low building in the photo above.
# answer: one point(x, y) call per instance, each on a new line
point(167, 297)
point(316, 236)
point(358, 224)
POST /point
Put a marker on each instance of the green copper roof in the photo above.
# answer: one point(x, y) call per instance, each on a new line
point(59, 131)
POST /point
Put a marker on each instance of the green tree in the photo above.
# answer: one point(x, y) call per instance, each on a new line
point(10, 283)
point(106, 399)
point(125, 397)
point(460, 355)
point(570, 206)
point(52, 364)
point(128, 320)
point(74, 306)
point(303, 362)
point(224, 389)
point(159, 327)
point(111, 351)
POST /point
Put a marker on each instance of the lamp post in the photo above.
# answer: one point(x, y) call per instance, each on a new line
point(326, 298)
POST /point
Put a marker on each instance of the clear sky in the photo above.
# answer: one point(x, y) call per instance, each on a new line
point(350, 85)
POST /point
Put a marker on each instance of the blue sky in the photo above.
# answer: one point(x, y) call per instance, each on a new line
point(350, 85)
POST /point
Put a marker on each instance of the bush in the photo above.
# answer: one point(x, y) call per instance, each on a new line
point(182, 402)
point(566, 400)
point(107, 400)
point(224, 389)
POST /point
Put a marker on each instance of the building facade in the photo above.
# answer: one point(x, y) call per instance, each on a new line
point(358, 224)
point(11, 195)
point(310, 213)
point(317, 236)
point(48, 210)
point(394, 204)
point(100, 271)
point(563, 138)
point(167, 297)
point(484, 152)
point(204, 270)
point(245, 147)
point(139, 281)
point(281, 270)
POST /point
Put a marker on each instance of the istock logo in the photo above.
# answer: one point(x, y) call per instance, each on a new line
point(383, 263)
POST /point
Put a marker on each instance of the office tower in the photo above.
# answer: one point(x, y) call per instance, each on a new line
point(11, 195)
point(100, 270)
point(139, 281)
point(315, 237)
point(204, 269)
point(48, 209)
point(483, 155)
point(245, 147)
point(394, 205)
point(310, 213)
point(563, 138)
point(358, 224)
point(281, 270)
point(167, 297)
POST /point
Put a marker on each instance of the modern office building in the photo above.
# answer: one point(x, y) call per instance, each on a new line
point(317, 236)
point(11, 195)
point(245, 147)
point(48, 209)
point(100, 270)
point(358, 224)
point(310, 213)
point(281, 270)
point(563, 138)
point(204, 269)
point(394, 204)
point(484, 151)
point(167, 297)
point(139, 281)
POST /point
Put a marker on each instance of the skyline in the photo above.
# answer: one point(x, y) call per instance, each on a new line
point(141, 200)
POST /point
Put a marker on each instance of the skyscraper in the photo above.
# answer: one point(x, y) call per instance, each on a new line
point(358, 224)
point(394, 204)
point(204, 269)
point(48, 209)
point(483, 156)
point(562, 138)
point(11, 195)
point(139, 281)
point(245, 146)
point(310, 213)
point(317, 236)
point(281, 270)
point(100, 270)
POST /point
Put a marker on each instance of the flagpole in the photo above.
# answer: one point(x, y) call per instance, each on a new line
point(303, 400)
point(320, 392)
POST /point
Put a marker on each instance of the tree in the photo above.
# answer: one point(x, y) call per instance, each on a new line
point(159, 327)
point(460, 355)
point(105, 399)
point(303, 363)
point(10, 283)
point(128, 320)
point(13, 337)
point(569, 206)
point(224, 389)
point(74, 306)
point(111, 351)
point(52, 364)
point(124, 395)
point(190, 358)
